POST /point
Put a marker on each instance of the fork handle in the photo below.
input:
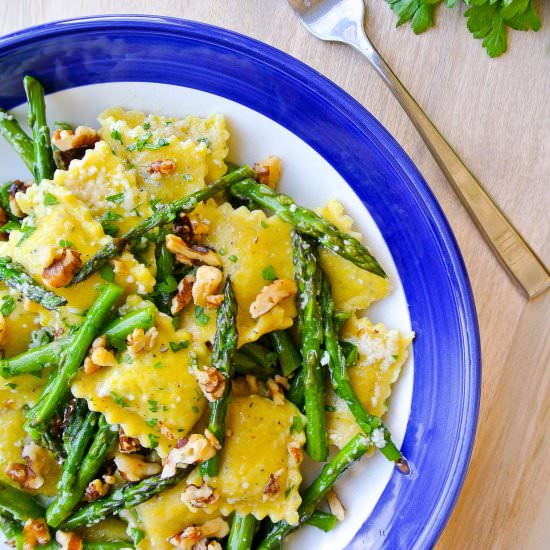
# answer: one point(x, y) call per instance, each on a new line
point(509, 246)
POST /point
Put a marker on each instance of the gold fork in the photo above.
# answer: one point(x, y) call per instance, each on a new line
point(342, 21)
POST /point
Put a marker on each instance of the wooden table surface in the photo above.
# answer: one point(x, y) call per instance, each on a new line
point(496, 113)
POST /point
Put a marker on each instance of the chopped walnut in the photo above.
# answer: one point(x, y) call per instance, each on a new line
point(268, 171)
point(162, 167)
point(273, 486)
point(183, 295)
point(96, 489)
point(214, 301)
point(3, 331)
point(199, 497)
point(212, 439)
point(90, 367)
point(207, 281)
point(189, 255)
point(68, 540)
point(252, 383)
point(295, 453)
point(29, 475)
point(200, 227)
point(134, 468)
point(35, 532)
point(139, 340)
point(189, 450)
point(211, 381)
point(16, 187)
point(82, 137)
point(271, 295)
point(62, 269)
point(335, 505)
point(127, 444)
point(165, 431)
point(103, 357)
point(216, 528)
point(275, 392)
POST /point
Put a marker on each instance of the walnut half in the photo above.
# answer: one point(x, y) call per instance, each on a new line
point(62, 269)
point(271, 295)
point(197, 536)
point(190, 255)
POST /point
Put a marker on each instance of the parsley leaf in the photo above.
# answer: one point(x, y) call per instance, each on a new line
point(64, 243)
point(115, 134)
point(269, 274)
point(7, 306)
point(120, 401)
point(201, 317)
point(177, 346)
point(115, 199)
point(107, 273)
point(50, 200)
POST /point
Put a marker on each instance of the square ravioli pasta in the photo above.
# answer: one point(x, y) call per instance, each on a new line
point(172, 157)
point(152, 394)
point(382, 354)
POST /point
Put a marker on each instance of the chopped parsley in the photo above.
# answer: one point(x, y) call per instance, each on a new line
point(187, 177)
point(107, 273)
point(27, 231)
point(147, 126)
point(50, 200)
point(158, 365)
point(151, 422)
point(297, 424)
point(161, 143)
point(269, 274)
point(177, 346)
point(233, 258)
point(153, 405)
point(115, 134)
point(153, 441)
point(63, 243)
point(221, 251)
point(396, 357)
point(289, 490)
point(115, 199)
point(121, 402)
point(167, 286)
point(111, 216)
point(264, 224)
point(201, 317)
point(11, 385)
point(7, 306)
point(195, 409)
point(110, 228)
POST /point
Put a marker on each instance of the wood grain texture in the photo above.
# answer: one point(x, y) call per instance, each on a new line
point(496, 113)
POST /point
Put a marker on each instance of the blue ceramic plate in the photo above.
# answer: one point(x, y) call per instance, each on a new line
point(331, 146)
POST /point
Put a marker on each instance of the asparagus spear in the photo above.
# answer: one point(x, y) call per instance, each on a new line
point(57, 511)
point(17, 138)
point(297, 390)
point(242, 532)
point(34, 360)
point(165, 213)
point(322, 520)
point(243, 364)
point(79, 469)
point(127, 496)
point(14, 275)
point(18, 504)
point(342, 386)
point(225, 343)
point(76, 420)
point(44, 165)
point(12, 530)
point(260, 354)
point(165, 274)
point(39, 415)
point(310, 223)
point(289, 356)
point(316, 492)
point(306, 273)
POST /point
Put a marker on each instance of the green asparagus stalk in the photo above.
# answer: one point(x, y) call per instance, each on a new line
point(17, 138)
point(38, 417)
point(260, 354)
point(289, 356)
point(323, 520)
point(14, 275)
point(165, 274)
point(76, 420)
point(44, 165)
point(18, 504)
point(342, 386)
point(297, 390)
point(63, 503)
point(165, 213)
point(309, 223)
point(351, 353)
point(96, 545)
point(340, 319)
point(119, 329)
point(306, 273)
point(242, 532)
point(127, 496)
point(316, 492)
point(12, 530)
point(225, 342)
point(243, 364)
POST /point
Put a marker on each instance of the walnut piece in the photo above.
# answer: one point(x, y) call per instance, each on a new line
point(134, 468)
point(271, 295)
point(199, 497)
point(211, 381)
point(96, 489)
point(103, 357)
point(35, 532)
point(268, 171)
point(207, 281)
point(275, 392)
point(214, 301)
point(29, 475)
point(127, 444)
point(183, 295)
point(62, 269)
point(191, 255)
point(82, 137)
point(139, 340)
point(68, 540)
point(335, 505)
point(162, 167)
point(295, 452)
point(273, 486)
point(196, 536)
point(189, 450)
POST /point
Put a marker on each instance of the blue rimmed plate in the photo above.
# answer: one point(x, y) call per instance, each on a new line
point(331, 147)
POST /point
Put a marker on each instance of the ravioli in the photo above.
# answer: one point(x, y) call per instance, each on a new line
point(196, 146)
point(353, 288)
point(259, 446)
point(154, 396)
point(247, 243)
point(382, 354)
